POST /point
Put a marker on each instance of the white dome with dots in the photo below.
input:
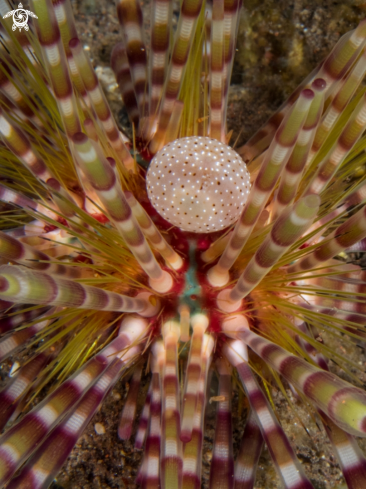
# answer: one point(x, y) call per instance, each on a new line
point(198, 184)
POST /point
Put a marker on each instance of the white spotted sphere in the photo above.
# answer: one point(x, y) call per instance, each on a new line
point(198, 184)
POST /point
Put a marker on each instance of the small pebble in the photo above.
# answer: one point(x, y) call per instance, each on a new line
point(14, 369)
point(99, 429)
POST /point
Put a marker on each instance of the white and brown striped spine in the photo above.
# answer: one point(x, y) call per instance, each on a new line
point(341, 401)
point(161, 17)
point(192, 451)
point(19, 144)
point(346, 141)
point(287, 229)
point(129, 409)
point(349, 455)
point(199, 324)
point(347, 89)
point(121, 68)
point(332, 69)
point(171, 447)
point(216, 78)
point(276, 158)
point(293, 171)
point(12, 343)
point(103, 179)
point(48, 459)
point(150, 470)
point(15, 391)
point(222, 464)
point(20, 440)
point(14, 319)
point(249, 453)
point(283, 456)
point(144, 420)
point(49, 37)
point(130, 18)
point(13, 250)
point(12, 94)
point(12, 197)
point(21, 285)
point(344, 236)
point(152, 233)
point(100, 103)
point(232, 10)
point(190, 10)
point(66, 23)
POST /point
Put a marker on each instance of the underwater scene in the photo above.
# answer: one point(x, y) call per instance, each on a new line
point(182, 244)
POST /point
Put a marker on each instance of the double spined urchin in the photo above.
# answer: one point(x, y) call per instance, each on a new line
point(96, 283)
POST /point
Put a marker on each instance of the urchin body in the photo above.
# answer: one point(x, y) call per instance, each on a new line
point(198, 184)
point(187, 332)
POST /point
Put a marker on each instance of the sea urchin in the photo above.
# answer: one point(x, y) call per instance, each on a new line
point(230, 272)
